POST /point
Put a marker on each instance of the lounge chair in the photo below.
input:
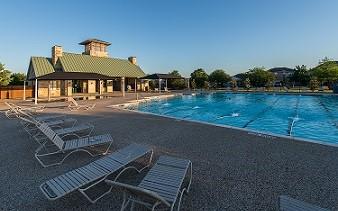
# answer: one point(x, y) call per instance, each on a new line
point(68, 147)
point(17, 111)
point(13, 109)
point(87, 177)
point(162, 187)
point(75, 130)
point(78, 131)
point(74, 106)
point(53, 121)
point(31, 126)
point(286, 203)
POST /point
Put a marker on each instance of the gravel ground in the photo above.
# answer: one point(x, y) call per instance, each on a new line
point(232, 170)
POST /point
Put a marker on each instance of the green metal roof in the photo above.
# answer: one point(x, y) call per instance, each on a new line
point(39, 66)
point(70, 62)
point(112, 67)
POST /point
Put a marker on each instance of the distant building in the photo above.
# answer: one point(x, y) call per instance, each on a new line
point(281, 74)
point(93, 72)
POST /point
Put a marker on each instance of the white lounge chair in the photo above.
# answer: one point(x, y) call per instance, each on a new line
point(77, 131)
point(88, 177)
point(55, 121)
point(16, 111)
point(163, 186)
point(74, 106)
point(286, 203)
point(13, 109)
point(68, 147)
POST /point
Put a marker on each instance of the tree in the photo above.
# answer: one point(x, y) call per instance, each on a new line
point(4, 75)
point(324, 60)
point(176, 83)
point(218, 78)
point(326, 72)
point(301, 76)
point(259, 77)
point(17, 78)
point(199, 76)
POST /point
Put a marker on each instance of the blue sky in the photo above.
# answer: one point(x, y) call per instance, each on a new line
point(233, 35)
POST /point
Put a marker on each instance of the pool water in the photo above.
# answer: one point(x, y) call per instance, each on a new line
point(307, 117)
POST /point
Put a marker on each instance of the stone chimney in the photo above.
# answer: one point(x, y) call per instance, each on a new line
point(56, 53)
point(132, 59)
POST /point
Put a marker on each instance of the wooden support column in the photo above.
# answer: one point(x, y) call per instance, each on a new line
point(100, 87)
point(48, 91)
point(135, 85)
point(123, 88)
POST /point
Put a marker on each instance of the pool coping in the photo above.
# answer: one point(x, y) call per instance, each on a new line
point(263, 134)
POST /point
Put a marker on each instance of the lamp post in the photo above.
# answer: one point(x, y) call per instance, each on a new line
point(36, 92)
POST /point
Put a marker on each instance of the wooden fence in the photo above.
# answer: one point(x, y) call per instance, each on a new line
point(15, 92)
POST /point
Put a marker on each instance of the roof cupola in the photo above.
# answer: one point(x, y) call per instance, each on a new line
point(95, 47)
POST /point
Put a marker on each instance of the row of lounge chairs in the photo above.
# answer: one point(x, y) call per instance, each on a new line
point(59, 135)
point(162, 188)
point(72, 105)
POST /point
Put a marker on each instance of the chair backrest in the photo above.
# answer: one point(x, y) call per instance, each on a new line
point(12, 106)
point(58, 141)
point(9, 105)
point(52, 135)
point(45, 129)
point(73, 101)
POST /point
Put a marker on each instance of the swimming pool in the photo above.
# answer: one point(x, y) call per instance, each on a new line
point(307, 117)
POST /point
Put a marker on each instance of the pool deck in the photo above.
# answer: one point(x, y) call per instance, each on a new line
point(232, 169)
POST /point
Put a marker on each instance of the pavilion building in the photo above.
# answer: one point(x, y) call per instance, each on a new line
point(91, 73)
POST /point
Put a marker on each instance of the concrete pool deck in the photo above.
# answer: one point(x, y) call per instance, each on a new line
point(232, 169)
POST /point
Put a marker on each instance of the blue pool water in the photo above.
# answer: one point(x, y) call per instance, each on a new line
point(307, 117)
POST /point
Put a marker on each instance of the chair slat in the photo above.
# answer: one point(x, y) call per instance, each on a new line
point(56, 191)
point(77, 178)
